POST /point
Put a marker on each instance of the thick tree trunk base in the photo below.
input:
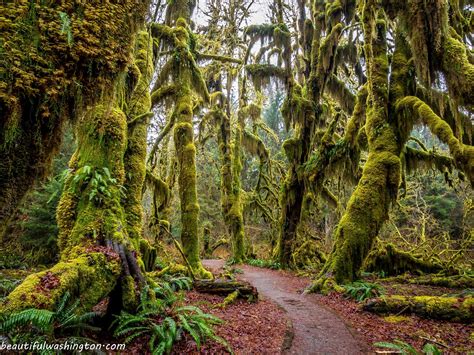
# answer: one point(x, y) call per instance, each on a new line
point(445, 308)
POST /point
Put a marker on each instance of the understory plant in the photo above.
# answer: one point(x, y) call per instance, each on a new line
point(269, 264)
point(405, 348)
point(362, 290)
point(63, 324)
point(165, 321)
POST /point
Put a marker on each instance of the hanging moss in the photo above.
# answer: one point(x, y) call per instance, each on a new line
point(392, 261)
point(55, 60)
point(261, 74)
point(254, 145)
point(463, 154)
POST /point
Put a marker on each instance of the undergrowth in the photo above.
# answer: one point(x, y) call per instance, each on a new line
point(61, 325)
point(362, 290)
point(269, 264)
point(163, 319)
point(405, 348)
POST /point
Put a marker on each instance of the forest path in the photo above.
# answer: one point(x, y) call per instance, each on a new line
point(316, 329)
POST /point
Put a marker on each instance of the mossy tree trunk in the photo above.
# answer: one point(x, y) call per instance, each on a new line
point(184, 78)
point(57, 63)
point(369, 204)
point(231, 167)
point(186, 154)
point(99, 219)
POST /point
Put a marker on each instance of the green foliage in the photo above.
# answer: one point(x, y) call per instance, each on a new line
point(361, 290)
point(100, 182)
point(7, 286)
point(66, 27)
point(269, 264)
point(41, 325)
point(405, 348)
point(165, 321)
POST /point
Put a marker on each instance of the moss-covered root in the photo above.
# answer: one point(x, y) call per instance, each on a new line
point(446, 308)
point(392, 261)
point(90, 277)
point(325, 285)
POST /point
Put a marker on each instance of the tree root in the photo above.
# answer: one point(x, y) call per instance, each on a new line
point(91, 276)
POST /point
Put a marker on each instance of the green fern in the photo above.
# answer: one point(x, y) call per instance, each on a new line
point(405, 348)
point(269, 264)
point(164, 322)
point(63, 323)
point(361, 290)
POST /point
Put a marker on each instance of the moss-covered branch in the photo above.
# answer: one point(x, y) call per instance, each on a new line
point(463, 154)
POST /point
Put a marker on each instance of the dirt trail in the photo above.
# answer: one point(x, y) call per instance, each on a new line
point(316, 329)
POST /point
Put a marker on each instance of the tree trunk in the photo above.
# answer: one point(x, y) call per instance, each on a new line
point(56, 72)
point(98, 219)
point(186, 154)
point(369, 204)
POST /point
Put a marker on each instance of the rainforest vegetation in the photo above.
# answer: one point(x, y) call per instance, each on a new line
point(162, 161)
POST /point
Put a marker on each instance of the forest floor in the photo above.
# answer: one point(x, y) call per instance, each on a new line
point(329, 324)
point(285, 320)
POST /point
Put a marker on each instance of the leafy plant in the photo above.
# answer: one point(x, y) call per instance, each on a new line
point(100, 182)
point(361, 290)
point(7, 286)
point(178, 282)
point(405, 348)
point(165, 322)
point(269, 264)
point(41, 325)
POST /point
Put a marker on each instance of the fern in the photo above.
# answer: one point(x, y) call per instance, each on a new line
point(361, 290)
point(164, 322)
point(63, 323)
point(405, 348)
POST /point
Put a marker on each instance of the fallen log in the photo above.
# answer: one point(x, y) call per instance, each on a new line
point(453, 309)
point(226, 287)
point(457, 281)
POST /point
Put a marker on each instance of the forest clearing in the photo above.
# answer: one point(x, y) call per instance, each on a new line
point(237, 176)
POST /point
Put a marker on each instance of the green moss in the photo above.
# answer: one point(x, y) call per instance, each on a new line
point(434, 307)
point(463, 154)
point(88, 277)
point(56, 59)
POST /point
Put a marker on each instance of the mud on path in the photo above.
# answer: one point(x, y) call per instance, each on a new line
point(316, 330)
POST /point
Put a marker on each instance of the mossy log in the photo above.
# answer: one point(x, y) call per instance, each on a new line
point(456, 281)
point(224, 288)
point(445, 308)
point(393, 261)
